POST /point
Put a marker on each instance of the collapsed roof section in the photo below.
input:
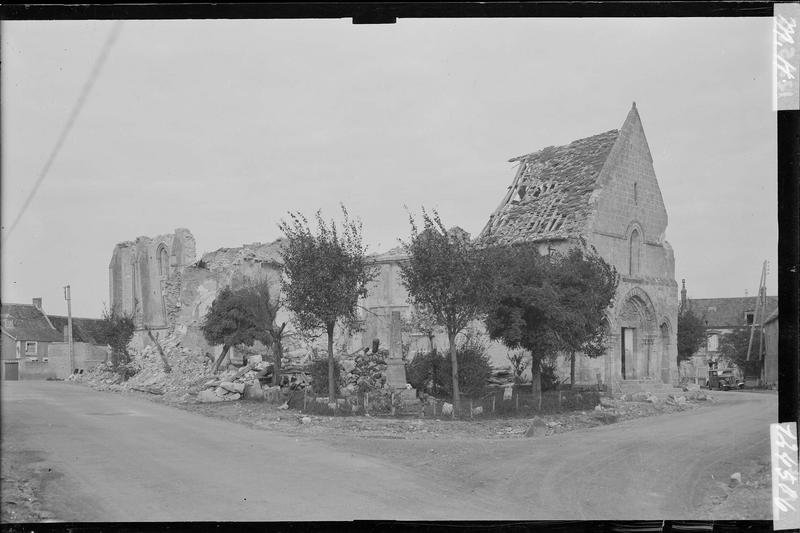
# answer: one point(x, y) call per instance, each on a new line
point(550, 196)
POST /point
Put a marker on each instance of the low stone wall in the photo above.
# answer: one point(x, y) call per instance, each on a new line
point(35, 370)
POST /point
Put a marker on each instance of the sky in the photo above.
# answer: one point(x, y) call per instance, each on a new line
point(225, 126)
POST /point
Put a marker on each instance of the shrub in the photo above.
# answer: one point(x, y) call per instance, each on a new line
point(319, 375)
point(426, 373)
point(474, 368)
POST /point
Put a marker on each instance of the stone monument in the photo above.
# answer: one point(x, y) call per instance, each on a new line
point(395, 367)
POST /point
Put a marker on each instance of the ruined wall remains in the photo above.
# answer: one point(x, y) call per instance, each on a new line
point(169, 292)
point(139, 271)
point(192, 291)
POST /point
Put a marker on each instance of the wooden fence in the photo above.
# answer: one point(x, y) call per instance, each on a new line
point(496, 403)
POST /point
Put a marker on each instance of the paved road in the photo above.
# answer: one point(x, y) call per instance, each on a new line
point(113, 457)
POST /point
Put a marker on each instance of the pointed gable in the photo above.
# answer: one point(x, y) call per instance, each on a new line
point(551, 192)
point(628, 193)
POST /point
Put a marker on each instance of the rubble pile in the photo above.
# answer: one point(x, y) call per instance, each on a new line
point(186, 370)
point(364, 372)
point(235, 384)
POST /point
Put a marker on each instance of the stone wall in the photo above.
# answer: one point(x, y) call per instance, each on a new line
point(87, 356)
point(139, 271)
point(175, 302)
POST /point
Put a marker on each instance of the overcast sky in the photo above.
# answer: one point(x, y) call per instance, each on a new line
point(224, 126)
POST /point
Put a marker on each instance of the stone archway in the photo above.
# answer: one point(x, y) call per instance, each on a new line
point(637, 327)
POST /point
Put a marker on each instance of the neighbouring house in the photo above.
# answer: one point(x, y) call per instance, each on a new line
point(770, 373)
point(35, 345)
point(722, 316)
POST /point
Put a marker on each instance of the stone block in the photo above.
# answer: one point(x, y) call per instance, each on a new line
point(253, 392)
point(208, 396)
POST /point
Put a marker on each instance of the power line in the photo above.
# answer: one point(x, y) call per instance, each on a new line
point(85, 90)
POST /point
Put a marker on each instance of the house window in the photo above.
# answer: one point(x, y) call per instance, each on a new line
point(31, 347)
point(635, 195)
point(748, 316)
point(635, 246)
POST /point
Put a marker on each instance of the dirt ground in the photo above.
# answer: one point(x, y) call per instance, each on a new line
point(267, 416)
point(22, 483)
point(476, 459)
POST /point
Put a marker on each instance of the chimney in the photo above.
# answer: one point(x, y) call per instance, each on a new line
point(37, 303)
point(683, 293)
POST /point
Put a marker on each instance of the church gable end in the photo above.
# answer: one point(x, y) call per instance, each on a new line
point(628, 189)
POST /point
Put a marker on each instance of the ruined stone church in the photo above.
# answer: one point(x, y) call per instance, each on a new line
point(603, 189)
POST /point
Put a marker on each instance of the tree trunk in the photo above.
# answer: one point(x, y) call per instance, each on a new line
point(277, 348)
point(331, 363)
point(167, 368)
point(451, 337)
point(219, 360)
point(536, 383)
point(572, 369)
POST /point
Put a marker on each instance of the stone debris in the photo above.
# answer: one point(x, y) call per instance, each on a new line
point(364, 371)
point(676, 400)
point(253, 391)
point(736, 478)
point(190, 373)
point(639, 396)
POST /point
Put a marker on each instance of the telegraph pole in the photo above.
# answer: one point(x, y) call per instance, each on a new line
point(68, 298)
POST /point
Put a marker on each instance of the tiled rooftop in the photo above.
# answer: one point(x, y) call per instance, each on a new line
point(549, 197)
point(729, 312)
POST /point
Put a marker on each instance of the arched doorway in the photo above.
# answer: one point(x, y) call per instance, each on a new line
point(637, 357)
point(665, 333)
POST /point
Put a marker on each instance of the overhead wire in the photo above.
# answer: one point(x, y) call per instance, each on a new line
point(76, 109)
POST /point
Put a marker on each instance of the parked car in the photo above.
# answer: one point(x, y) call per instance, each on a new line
point(723, 380)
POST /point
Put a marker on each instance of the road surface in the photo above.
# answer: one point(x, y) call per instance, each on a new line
point(113, 457)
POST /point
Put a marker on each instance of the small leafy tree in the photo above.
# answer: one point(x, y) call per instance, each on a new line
point(519, 362)
point(425, 322)
point(235, 317)
point(733, 346)
point(426, 373)
point(325, 274)
point(266, 307)
point(549, 304)
point(587, 285)
point(474, 367)
point(444, 276)
point(691, 333)
point(116, 330)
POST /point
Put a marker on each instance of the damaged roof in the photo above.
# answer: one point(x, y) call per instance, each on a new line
point(223, 258)
point(549, 197)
